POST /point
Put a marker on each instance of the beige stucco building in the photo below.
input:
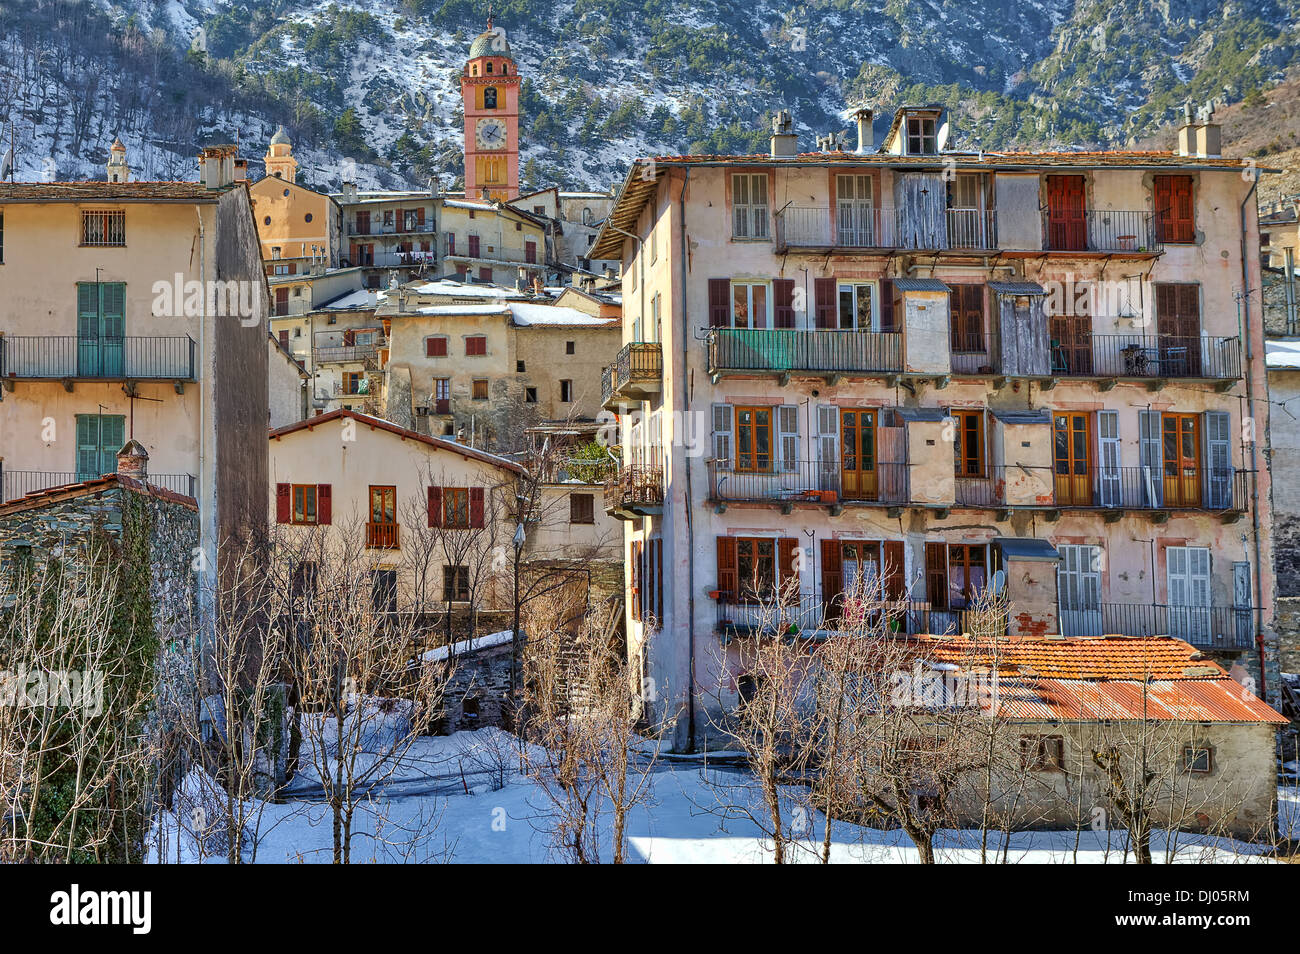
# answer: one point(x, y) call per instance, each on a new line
point(944, 370)
point(137, 310)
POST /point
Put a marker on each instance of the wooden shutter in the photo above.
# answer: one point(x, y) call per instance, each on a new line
point(435, 347)
point(783, 302)
point(1174, 208)
point(324, 511)
point(636, 579)
point(87, 446)
point(787, 572)
point(1151, 457)
point(936, 575)
point(112, 435)
point(283, 502)
point(1217, 450)
point(787, 437)
point(476, 508)
point(828, 447)
point(659, 580)
point(435, 506)
point(832, 579)
point(114, 309)
point(727, 589)
point(824, 302)
point(895, 579)
point(719, 302)
point(722, 442)
point(87, 310)
point(887, 323)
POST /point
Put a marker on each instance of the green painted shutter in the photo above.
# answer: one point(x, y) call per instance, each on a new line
point(87, 446)
point(87, 310)
point(113, 309)
point(112, 435)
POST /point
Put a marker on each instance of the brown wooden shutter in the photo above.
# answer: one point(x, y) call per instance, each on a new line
point(783, 302)
point(832, 570)
point(727, 587)
point(283, 503)
point(824, 302)
point(324, 507)
point(476, 508)
point(895, 585)
point(435, 506)
point(636, 579)
point(936, 575)
point(887, 323)
point(659, 581)
point(787, 576)
point(719, 302)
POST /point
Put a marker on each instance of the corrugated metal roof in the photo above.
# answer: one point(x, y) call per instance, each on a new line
point(1017, 288)
point(920, 284)
point(1036, 416)
point(1026, 548)
point(921, 413)
point(1181, 700)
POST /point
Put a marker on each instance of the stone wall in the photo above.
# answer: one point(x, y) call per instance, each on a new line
point(477, 691)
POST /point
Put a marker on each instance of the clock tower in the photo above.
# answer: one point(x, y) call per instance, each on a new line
point(489, 87)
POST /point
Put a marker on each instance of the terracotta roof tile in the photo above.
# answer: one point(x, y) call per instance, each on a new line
point(38, 498)
point(109, 192)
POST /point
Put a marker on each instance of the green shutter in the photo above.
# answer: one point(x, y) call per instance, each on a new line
point(112, 435)
point(87, 446)
point(87, 310)
point(113, 309)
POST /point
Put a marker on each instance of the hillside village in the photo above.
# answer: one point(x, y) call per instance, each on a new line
point(943, 495)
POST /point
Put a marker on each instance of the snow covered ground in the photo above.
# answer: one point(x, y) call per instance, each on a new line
point(461, 798)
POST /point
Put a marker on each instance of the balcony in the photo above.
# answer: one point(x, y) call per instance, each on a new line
point(637, 374)
point(350, 354)
point(19, 483)
point(71, 358)
point(1205, 627)
point(1147, 357)
point(809, 482)
point(382, 536)
point(974, 353)
point(1223, 490)
point(862, 228)
point(737, 616)
point(784, 351)
point(635, 492)
point(1105, 232)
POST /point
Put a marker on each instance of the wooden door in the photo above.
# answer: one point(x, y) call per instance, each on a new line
point(1067, 227)
point(1178, 325)
point(858, 454)
point(1073, 474)
point(1181, 452)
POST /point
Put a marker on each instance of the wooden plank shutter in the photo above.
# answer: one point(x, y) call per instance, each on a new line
point(435, 506)
point(282, 503)
point(722, 446)
point(727, 588)
point(659, 580)
point(787, 554)
point(783, 302)
point(887, 323)
point(114, 309)
point(719, 302)
point(476, 508)
point(832, 578)
point(895, 581)
point(1174, 208)
point(87, 310)
point(87, 446)
point(112, 435)
point(824, 302)
point(787, 437)
point(636, 579)
point(936, 575)
point(1217, 450)
point(324, 506)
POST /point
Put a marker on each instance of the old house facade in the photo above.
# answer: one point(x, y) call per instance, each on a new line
point(926, 367)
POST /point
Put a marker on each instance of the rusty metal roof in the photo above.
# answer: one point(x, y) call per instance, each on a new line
point(1176, 700)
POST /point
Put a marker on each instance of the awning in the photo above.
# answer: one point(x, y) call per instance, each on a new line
point(1026, 548)
point(921, 413)
point(1017, 288)
point(1020, 416)
point(920, 285)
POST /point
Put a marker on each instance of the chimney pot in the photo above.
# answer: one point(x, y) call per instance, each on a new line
point(133, 461)
point(784, 141)
point(866, 140)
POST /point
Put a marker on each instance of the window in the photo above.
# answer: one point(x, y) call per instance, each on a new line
point(485, 274)
point(749, 205)
point(854, 223)
point(363, 223)
point(856, 313)
point(530, 252)
point(99, 438)
point(275, 251)
point(381, 531)
point(968, 443)
point(106, 227)
point(754, 439)
point(304, 504)
point(1042, 753)
point(921, 140)
point(749, 305)
point(354, 382)
point(582, 508)
point(473, 245)
point(480, 389)
point(383, 590)
point(442, 395)
point(967, 573)
point(455, 508)
point(569, 347)
point(530, 395)
point(302, 586)
point(1175, 209)
point(455, 584)
point(566, 392)
point(435, 347)
point(451, 243)
point(476, 345)
point(1199, 760)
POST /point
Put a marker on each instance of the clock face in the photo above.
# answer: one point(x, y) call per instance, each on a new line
point(490, 134)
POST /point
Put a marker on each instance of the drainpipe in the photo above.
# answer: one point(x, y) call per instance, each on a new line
point(690, 498)
point(1244, 319)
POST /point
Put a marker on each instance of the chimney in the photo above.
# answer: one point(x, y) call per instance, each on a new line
point(133, 461)
point(349, 192)
point(1209, 134)
point(241, 169)
point(217, 166)
point(866, 142)
point(784, 142)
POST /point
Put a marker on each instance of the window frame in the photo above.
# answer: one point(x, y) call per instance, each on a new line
point(453, 498)
point(755, 216)
point(963, 417)
point(112, 228)
point(917, 139)
point(1042, 753)
point(584, 515)
point(475, 389)
point(754, 429)
point(455, 583)
point(294, 509)
point(1191, 755)
point(473, 342)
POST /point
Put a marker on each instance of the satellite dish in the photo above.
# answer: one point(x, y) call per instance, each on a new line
point(941, 140)
point(998, 582)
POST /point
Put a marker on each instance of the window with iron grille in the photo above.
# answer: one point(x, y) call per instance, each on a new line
point(101, 227)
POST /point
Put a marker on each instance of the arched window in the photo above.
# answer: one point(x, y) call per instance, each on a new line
point(490, 98)
point(505, 68)
point(474, 70)
point(489, 66)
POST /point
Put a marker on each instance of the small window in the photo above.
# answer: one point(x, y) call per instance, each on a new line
point(569, 347)
point(582, 508)
point(490, 97)
point(435, 347)
point(1042, 753)
point(520, 367)
point(455, 508)
point(566, 392)
point(108, 227)
point(476, 345)
point(266, 220)
point(530, 395)
point(307, 217)
point(480, 389)
point(748, 205)
point(921, 139)
point(455, 584)
point(469, 707)
point(1199, 760)
point(304, 504)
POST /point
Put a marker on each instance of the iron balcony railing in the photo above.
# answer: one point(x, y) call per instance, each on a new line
point(584, 470)
point(811, 613)
point(973, 352)
point(633, 487)
point(345, 354)
point(1205, 627)
point(638, 370)
point(19, 483)
point(856, 226)
point(982, 490)
point(1147, 356)
point(1217, 489)
point(1102, 230)
point(783, 350)
point(104, 358)
point(808, 481)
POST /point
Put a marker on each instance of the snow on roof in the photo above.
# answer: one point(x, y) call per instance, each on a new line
point(475, 309)
point(1282, 353)
point(469, 645)
point(463, 204)
point(357, 299)
point(445, 286)
point(529, 313)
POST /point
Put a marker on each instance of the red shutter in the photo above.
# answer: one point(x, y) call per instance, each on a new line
point(324, 513)
point(824, 302)
point(636, 579)
point(727, 589)
point(283, 503)
point(783, 300)
point(936, 575)
point(832, 585)
point(435, 506)
point(1174, 209)
point(476, 507)
point(719, 302)
point(895, 588)
point(887, 305)
point(435, 347)
point(788, 571)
